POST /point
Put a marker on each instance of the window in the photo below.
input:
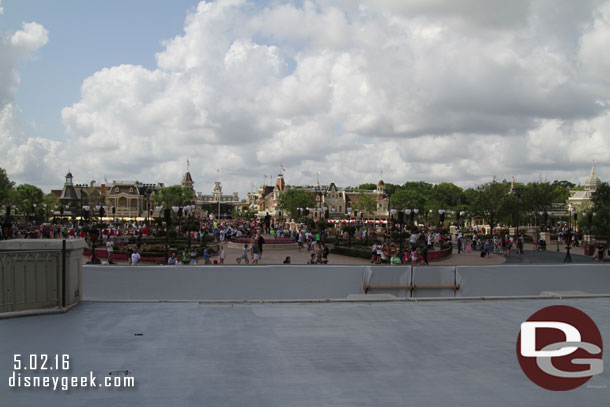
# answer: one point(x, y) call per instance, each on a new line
point(130, 189)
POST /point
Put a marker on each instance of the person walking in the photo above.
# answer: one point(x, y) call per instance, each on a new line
point(424, 255)
point(568, 257)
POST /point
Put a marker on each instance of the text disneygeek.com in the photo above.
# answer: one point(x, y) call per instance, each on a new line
point(60, 363)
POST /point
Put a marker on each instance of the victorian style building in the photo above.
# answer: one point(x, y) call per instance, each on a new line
point(328, 199)
point(121, 199)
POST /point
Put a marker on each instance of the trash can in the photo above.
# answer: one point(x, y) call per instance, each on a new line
point(589, 249)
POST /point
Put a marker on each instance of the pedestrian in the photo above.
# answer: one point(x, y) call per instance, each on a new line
point(135, 257)
point(222, 255)
point(424, 254)
point(109, 250)
point(600, 253)
point(312, 259)
point(206, 256)
point(255, 254)
point(244, 254)
point(567, 258)
point(260, 241)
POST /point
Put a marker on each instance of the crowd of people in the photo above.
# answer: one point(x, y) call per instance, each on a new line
point(250, 231)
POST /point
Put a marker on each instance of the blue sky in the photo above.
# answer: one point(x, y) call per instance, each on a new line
point(84, 37)
point(432, 90)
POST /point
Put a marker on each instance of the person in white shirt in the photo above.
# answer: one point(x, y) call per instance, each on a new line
point(135, 257)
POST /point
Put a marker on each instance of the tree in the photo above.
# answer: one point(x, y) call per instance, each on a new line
point(175, 195)
point(6, 186)
point(488, 202)
point(369, 186)
point(407, 199)
point(294, 198)
point(366, 204)
point(601, 206)
point(448, 195)
point(26, 196)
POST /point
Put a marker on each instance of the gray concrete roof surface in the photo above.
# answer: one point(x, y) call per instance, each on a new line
point(431, 353)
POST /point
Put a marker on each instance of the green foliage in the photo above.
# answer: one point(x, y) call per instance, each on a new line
point(367, 187)
point(489, 201)
point(26, 196)
point(540, 196)
point(294, 198)
point(363, 253)
point(349, 229)
point(601, 206)
point(408, 199)
point(448, 195)
point(51, 200)
point(175, 195)
point(6, 187)
point(366, 204)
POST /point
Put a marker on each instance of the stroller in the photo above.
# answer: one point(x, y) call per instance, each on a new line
point(541, 245)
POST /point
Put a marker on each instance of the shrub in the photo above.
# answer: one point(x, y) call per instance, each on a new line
point(352, 252)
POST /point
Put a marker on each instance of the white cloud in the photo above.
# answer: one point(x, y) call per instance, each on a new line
point(26, 159)
point(430, 90)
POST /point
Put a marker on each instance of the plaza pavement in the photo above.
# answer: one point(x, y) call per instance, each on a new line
point(473, 258)
point(550, 256)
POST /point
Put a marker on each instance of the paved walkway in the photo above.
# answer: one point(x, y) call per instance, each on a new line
point(550, 256)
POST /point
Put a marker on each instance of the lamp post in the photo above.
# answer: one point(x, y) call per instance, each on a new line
point(86, 209)
point(392, 213)
point(178, 210)
point(574, 216)
point(93, 235)
point(6, 225)
point(441, 217)
point(158, 209)
point(415, 212)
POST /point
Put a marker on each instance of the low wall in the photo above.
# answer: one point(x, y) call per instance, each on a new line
point(290, 282)
point(33, 276)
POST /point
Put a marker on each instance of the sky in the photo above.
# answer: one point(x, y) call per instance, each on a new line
point(404, 90)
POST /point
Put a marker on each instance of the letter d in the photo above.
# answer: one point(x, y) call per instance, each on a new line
point(11, 380)
point(528, 338)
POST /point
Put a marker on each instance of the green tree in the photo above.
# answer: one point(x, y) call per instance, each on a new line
point(366, 204)
point(448, 195)
point(489, 201)
point(407, 199)
point(601, 206)
point(6, 186)
point(51, 200)
point(369, 186)
point(26, 196)
point(294, 198)
point(174, 195)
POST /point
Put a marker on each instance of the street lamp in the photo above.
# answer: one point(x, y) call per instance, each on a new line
point(441, 217)
point(86, 209)
point(93, 235)
point(574, 216)
point(158, 209)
